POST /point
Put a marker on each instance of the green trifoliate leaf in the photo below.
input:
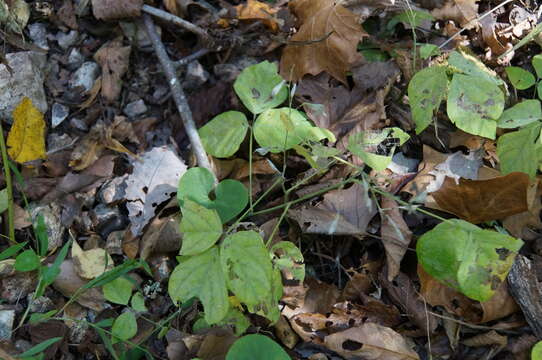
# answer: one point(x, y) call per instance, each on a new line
point(426, 91)
point(521, 114)
point(260, 87)
point(281, 129)
point(520, 78)
point(475, 104)
point(222, 136)
point(467, 258)
point(201, 276)
point(201, 228)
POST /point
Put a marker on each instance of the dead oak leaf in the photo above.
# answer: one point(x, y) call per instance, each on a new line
point(257, 10)
point(114, 60)
point(484, 200)
point(326, 41)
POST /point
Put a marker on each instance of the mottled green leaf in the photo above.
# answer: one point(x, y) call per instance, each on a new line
point(470, 65)
point(521, 114)
point(222, 136)
point(467, 258)
point(288, 257)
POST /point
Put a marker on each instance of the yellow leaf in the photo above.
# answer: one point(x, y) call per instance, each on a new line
point(256, 10)
point(26, 139)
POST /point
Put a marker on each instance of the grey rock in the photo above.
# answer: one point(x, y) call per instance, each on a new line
point(7, 317)
point(59, 113)
point(23, 345)
point(79, 124)
point(135, 108)
point(75, 58)
point(113, 190)
point(402, 165)
point(106, 219)
point(26, 80)
point(51, 217)
point(41, 304)
point(113, 244)
point(65, 40)
point(85, 76)
point(195, 75)
point(38, 33)
point(56, 142)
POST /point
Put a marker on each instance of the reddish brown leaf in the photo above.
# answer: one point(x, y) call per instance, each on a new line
point(396, 235)
point(483, 200)
point(116, 9)
point(114, 60)
point(326, 41)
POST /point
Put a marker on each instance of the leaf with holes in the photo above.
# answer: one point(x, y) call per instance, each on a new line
point(230, 196)
point(467, 258)
point(287, 257)
point(260, 87)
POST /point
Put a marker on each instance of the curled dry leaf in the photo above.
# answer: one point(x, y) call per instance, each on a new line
point(114, 60)
point(484, 200)
point(116, 9)
point(284, 332)
point(342, 212)
point(370, 341)
point(257, 10)
point(326, 41)
point(395, 234)
point(463, 12)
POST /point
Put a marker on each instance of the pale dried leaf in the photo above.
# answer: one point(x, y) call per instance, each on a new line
point(114, 60)
point(395, 234)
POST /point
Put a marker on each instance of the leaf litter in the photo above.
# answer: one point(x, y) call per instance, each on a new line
point(346, 246)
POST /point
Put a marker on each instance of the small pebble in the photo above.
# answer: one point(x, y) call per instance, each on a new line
point(59, 113)
point(85, 76)
point(38, 33)
point(6, 323)
point(75, 58)
point(135, 108)
point(65, 40)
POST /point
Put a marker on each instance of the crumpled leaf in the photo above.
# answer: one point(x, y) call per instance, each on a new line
point(114, 60)
point(342, 212)
point(153, 181)
point(467, 258)
point(484, 200)
point(99, 138)
point(257, 10)
point(395, 234)
point(370, 341)
point(26, 138)
point(91, 263)
point(14, 14)
point(326, 41)
point(116, 9)
point(460, 11)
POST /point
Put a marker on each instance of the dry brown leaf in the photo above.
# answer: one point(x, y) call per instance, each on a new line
point(257, 10)
point(489, 338)
point(525, 224)
point(326, 41)
point(114, 60)
point(318, 298)
point(66, 14)
point(460, 11)
point(116, 9)
point(177, 7)
point(92, 94)
point(395, 234)
point(342, 212)
point(284, 332)
point(484, 200)
point(370, 341)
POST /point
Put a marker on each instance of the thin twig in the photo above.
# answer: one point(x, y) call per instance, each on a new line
point(9, 186)
point(178, 94)
point(188, 59)
point(187, 25)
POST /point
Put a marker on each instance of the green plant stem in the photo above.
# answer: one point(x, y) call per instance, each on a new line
point(276, 227)
point(9, 186)
point(250, 162)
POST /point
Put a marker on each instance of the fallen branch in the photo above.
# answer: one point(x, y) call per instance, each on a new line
point(177, 93)
point(188, 59)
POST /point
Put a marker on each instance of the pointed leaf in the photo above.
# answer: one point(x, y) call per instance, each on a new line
point(519, 150)
point(26, 139)
point(28, 260)
point(246, 347)
point(521, 114)
point(118, 291)
point(125, 326)
point(520, 78)
point(200, 226)
point(426, 91)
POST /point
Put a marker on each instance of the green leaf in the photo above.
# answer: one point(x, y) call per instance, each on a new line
point(40, 229)
point(236, 319)
point(49, 273)
point(118, 290)
point(281, 129)
point(200, 226)
point(467, 258)
point(521, 114)
point(249, 272)
point(201, 276)
point(519, 151)
point(520, 78)
point(125, 326)
point(40, 347)
point(12, 250)
point(222, 136)
point(28, 260)
point(470, 65)
point(428, 50)
point(245, 348)
point(260, 87)
point(426, 91)
point(539, 90)
point(537, 64)
point(3, 200)
point(376, 147)
point(536, 352)
point(474, 105)
point(288, 257)
point(138, 302)
point(410, 18)
point(39, 317)
point(230, 196)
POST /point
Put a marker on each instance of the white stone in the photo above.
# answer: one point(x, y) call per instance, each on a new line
point(75, 58)
point(59, 113)
point(65, 40)
point(7, 317)
point(38, 33)
point(85, 76)
point(135, 108)
point(26, 80)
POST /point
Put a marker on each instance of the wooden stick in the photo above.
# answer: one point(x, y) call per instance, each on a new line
point(187, 25)
point(178, 94)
